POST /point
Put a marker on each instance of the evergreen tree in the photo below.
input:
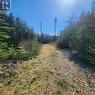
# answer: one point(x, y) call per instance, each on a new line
point(15, 37)
point(80, 37)
point(5, 31)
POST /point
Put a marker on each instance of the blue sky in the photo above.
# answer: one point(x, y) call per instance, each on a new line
point(35, 11)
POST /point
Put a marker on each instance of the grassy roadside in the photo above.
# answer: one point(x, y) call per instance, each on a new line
point(33, 77)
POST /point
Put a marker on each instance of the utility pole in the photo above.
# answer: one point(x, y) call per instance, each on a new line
point(41, 30)
point(55, 24)
point(41, 27)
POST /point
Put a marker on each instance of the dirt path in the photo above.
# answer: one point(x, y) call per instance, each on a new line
point(51, 73)
point(70, 77)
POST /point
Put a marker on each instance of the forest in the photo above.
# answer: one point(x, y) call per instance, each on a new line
point(18, 41)
point(79, 37)
point(33, 63)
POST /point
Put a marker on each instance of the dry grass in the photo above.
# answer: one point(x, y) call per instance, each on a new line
point(33, 77)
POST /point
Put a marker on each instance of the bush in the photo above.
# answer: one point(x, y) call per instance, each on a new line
point(19, 54)
point(3, 55)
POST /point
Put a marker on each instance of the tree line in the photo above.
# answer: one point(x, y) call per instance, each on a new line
point(79, 37)
point(17, 40)
point(46, 38)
